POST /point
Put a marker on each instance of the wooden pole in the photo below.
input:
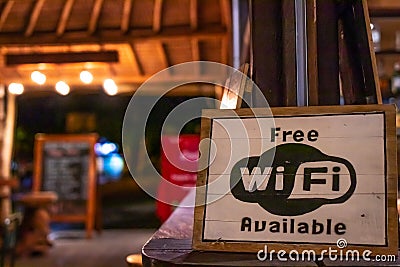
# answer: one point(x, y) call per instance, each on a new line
point(328, 53)
point(273, 50)
point(7, 124)
point(289, 46)
point(266, 58)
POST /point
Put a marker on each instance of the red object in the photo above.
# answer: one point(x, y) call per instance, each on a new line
point(179, 161)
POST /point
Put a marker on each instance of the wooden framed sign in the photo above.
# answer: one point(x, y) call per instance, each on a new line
point(66, 164)
point(304, 178)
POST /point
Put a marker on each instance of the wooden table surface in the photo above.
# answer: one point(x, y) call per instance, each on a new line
point(171, 245)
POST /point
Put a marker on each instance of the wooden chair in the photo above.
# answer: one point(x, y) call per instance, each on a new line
point(35, 225)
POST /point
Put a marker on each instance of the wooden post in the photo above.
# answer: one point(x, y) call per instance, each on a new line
point(335, 30)
point(266, 58)
point(288, 53)
point(327, 53)
point(7, 123)
point(312, 64)
point(357, 55)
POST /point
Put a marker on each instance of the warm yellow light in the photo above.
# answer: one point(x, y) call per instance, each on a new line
point(62, 88)
point(38, 77)
point(15, 88)
point(86, 76)
point(110, 87)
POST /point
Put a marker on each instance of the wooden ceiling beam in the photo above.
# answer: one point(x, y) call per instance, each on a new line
point(193, 15)
point(136, 62)
point(5, 12)
point(196, 55)
point(226, 44)
point(225, 50)
point(226, 13)
point(195, 50)
point(126, 16)
point(34, 17)
point(162, 55)
point(62, 23)
point(121, 79)
point(157, 15)
point(67, 57)
point(191, 89)
point(113, 36)
point(94, 18)
point(129, 88)
point(384, 12)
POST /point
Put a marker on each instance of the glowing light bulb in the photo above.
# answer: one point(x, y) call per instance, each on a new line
point(86, 77)
point(110, 87)
point(62, 88)
point(38, 77)
point(16, 88)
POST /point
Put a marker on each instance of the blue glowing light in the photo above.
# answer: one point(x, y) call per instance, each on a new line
point(113, 165)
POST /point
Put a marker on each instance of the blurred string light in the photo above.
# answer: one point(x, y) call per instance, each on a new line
point(15, 88)
point(38, 77)
point(62, 88)
point(86, 77)
point(110, 87)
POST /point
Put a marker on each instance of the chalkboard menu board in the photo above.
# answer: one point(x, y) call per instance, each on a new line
point(65, 164)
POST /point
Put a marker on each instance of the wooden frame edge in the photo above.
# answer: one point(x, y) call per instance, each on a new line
point(391, 179)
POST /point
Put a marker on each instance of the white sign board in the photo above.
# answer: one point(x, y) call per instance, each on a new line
point(309, 176)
